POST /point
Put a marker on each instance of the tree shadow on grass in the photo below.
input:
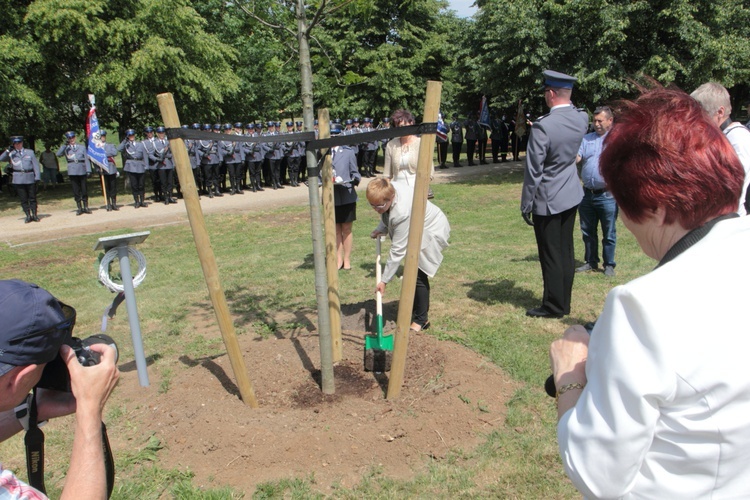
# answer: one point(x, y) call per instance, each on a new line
point(492, 292)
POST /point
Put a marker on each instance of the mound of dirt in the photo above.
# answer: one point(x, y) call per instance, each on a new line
point(450, 399)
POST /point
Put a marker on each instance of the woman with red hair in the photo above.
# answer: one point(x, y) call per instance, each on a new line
point(655, 404)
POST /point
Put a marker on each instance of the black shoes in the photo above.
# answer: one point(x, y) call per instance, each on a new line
point(541, 312)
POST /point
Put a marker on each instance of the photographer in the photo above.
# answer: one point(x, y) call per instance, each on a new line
point(35, 325)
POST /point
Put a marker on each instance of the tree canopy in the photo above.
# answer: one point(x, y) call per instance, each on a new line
point(368, 57)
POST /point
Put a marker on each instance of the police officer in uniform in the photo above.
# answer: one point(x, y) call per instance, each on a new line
point(457, 140)
point(135, 157)
point(499, 137)
point(207, 153)
point(194, 165)
point(274, 154)
point(302, 150)
point(78, 170)
point(442, 142)
point(291, 156)
point(254, 154)
point(231, 151)
point(552, 191)
point(471, 137)
point(24, 169)
point(148, 145)
point(162, 158)
point(110, 172)
point(368, 151)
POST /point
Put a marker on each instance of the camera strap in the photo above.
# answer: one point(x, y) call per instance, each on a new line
point(34, 441)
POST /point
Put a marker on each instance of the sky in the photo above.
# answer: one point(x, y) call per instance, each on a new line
point(463, 7)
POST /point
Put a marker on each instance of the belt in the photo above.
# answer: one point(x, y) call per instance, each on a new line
point(595, 191)
point(23, 171)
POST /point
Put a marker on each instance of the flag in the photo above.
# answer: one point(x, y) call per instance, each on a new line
point(96, 146)
point(484, 113)
point(442, 129)
point(520, 120)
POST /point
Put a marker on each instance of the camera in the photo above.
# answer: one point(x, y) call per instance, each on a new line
point(55, 375)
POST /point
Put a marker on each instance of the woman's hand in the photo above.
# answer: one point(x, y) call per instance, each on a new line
point(568, 359)
point(380, 288)
point(375, 234)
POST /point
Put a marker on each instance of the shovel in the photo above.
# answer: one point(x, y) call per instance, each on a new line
point(378, 348)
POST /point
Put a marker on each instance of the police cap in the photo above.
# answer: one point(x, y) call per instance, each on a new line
point(290, 124)
point(270, 124)
point(299, 124)
point(217, 126)
point(160, 129)
point(335, 128)
point(148, 129)
point(196, 126)
point(16, 138)
point(129, 132)
point(103, 132)
point(206, 126)
point(558, 80)
point(348, 121)
point(70, 134)
point(238, 125)
point(250, 126)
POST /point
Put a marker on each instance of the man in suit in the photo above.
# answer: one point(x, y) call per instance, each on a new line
point(552, 191)
point(457, 140)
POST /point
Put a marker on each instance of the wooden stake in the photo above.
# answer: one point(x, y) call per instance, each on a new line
point(416, 226)
point(205, 252)
point(329, 219)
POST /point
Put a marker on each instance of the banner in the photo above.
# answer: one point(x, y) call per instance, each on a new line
point(484, 113)
point(96, 146)
point(520, 120)
point(442, 129)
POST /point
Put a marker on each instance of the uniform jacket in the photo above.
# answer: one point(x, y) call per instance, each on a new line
point(395, 222)
point(190, 147)
point(24, 165)
point(550, 183)
point(457, 131)
point(664, 413)
point(231, 152)
point(274, 150)
point(161, 157)
point(254, 151)
point(135, 156)
point(111, 151)
point(150, 149)
point(207, 152)
point(78, 160)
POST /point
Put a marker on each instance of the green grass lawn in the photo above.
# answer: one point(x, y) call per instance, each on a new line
point(489, 277)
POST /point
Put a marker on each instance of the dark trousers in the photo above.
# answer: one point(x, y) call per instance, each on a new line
point(110, 184)
point(554, 240)
point(457, 146)
point(78, 183)
point(209, 176)
point(501, 146)
point(221, 175)
point(197, 177)
point(471, 146)
point(442, 150)
point(137, 184)
point(253, 169)
point(303, 167)
point(266, 168)
point(293, 165)
point(274, 166)
point(166, 179)
point(27, 194)
point(368, 160)
point(421, 299)
point(156, 183)
point(482, 151)
point(235, 170)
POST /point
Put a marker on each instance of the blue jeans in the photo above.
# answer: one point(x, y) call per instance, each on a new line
point(595, 209)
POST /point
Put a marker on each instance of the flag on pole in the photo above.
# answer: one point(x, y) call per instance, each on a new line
point(96, 146)
point(520, 120)
point(442, 129)
point(484, 113)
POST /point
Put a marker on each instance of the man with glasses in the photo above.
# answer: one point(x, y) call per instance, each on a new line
point(34, 327)
point(552, 192)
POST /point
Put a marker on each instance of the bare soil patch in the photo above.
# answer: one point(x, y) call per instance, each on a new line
point(451, 398)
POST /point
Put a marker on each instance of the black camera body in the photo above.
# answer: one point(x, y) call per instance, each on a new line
point(55, 375)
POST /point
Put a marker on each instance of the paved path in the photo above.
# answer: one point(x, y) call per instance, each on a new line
point(62, 224)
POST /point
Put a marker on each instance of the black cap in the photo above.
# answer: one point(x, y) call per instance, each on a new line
point(558, 80)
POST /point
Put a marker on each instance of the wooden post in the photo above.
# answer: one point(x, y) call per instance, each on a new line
point(329, 220)
point(416, 226)
point(205, 252)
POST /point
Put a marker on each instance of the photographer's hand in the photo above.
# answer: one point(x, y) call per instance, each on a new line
point(91, 386)
point(568, 359)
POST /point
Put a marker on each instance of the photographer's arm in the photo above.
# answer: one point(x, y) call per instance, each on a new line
point(91, 387)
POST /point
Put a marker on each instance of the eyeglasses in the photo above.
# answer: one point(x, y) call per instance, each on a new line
point(379, 207)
